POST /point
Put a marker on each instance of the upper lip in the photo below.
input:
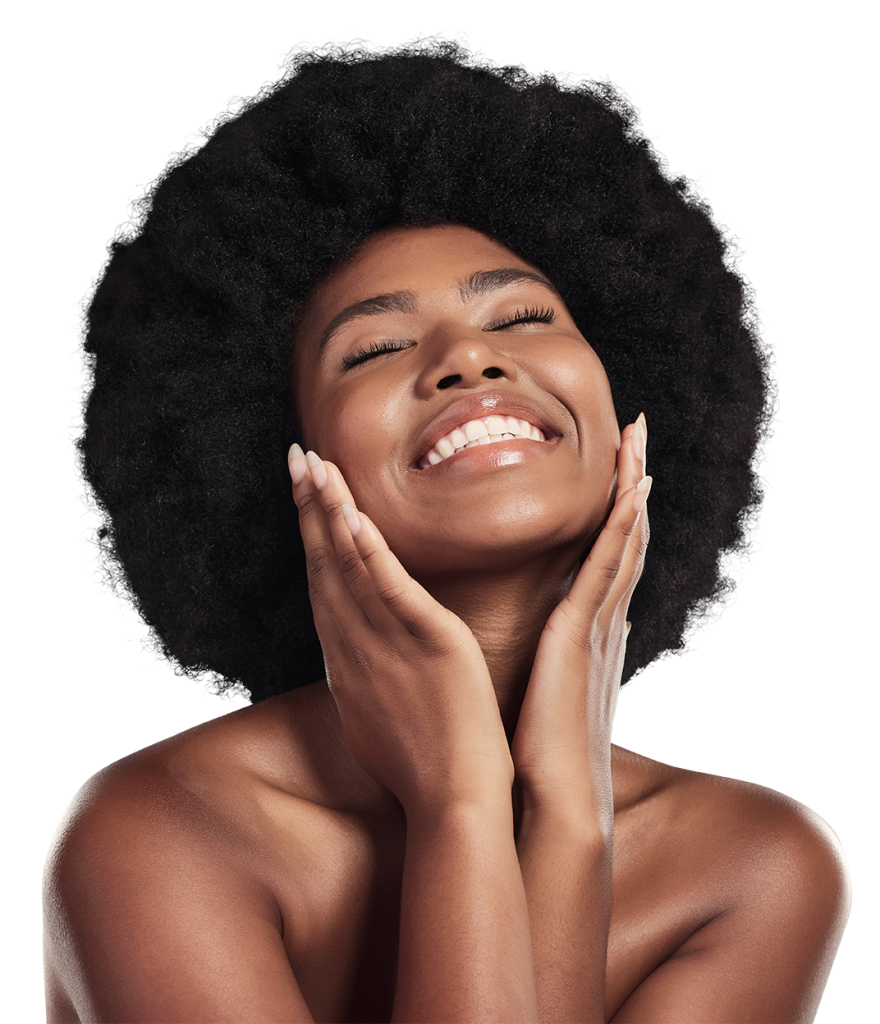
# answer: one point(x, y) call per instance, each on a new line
point(476, 407)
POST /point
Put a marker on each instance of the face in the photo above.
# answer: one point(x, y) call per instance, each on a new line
point(431, 339)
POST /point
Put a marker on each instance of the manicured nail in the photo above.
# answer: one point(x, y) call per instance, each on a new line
point(296, 463)
point(640, 437)
point(319, 473)
point(629, 626)
point(642, 492)
point(638, 441)
point(351, 518)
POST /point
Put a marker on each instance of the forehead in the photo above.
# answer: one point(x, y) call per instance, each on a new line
point(417, 259)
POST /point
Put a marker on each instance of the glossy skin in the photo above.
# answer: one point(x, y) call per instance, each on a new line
point(500, 548)
point(354, 851)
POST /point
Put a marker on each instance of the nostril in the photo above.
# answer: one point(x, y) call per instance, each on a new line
point(447, 382)
point(491, 372)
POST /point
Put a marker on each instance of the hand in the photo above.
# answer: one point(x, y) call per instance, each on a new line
point(562, 744)
point(412, 687)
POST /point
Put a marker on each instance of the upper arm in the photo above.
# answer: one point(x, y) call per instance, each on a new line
point(767, 956)
point(149, 920)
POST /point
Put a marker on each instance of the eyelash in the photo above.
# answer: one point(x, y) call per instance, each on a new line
point(378, 348)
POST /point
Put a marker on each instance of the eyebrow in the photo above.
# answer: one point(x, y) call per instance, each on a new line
point(479, 283)
point(489, 280)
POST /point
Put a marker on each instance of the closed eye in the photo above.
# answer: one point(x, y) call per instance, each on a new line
point(377, 348)
point(534, 315)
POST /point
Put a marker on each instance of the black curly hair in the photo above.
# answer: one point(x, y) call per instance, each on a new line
point(190, 330)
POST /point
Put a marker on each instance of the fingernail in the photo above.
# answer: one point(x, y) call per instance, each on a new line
point(642, 492)
point(640, 437)
point(629, 626)
point(296, 463)
point(638, 441)
point(351, 518)
point(319, 473)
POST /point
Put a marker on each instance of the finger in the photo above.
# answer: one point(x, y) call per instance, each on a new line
point(631, 471)
point(633, 560)
point(606, 574)
point(390, 596)
point(332, 601)
point(632, 457)
point(376, 579)
point(405, 599)
point(344, 523)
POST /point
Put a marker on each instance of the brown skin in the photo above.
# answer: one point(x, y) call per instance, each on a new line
point(419, 700)
point(354, 852)
point(498, 549)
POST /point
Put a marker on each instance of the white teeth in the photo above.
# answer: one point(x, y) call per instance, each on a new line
point(475, 429)
point(492, 428)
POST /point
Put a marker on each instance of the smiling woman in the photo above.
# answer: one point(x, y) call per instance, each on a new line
point(469, 292)
point(521, 407)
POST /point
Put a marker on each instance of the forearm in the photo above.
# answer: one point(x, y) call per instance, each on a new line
point(465, 949)
point(565, 860)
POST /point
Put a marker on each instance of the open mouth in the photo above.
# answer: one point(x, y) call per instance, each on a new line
point(486, 430)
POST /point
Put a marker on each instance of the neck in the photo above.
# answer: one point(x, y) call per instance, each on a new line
point(507, 612)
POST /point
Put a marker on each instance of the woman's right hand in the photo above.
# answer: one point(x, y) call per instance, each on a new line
point(410, 682)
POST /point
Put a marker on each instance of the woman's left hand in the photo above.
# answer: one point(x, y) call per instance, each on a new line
point(562, 744)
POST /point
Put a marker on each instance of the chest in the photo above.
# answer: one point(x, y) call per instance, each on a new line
point(341, 919)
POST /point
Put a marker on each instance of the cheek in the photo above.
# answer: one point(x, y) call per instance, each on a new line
point(604, 415)
point(577, 377)
point(354, 429)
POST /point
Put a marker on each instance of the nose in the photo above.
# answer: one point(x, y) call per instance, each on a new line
point(463, 361)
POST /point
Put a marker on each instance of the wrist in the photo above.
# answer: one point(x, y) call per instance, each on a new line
point(583, 813)
point(488, 805)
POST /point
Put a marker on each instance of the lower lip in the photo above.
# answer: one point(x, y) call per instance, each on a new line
point(497, 455)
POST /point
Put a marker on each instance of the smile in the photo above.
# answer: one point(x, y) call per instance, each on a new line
point(488, 430)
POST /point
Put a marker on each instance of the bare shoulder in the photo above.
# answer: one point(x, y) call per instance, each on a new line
point(749, 830)
point(790, 867)
point(156, 858)
point(769, 830)
point(761, 881)
point(184, 798)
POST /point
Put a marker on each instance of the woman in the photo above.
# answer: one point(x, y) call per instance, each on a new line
point(455, 285)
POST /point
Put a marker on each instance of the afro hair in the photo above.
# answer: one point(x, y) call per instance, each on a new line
point(190, 332)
